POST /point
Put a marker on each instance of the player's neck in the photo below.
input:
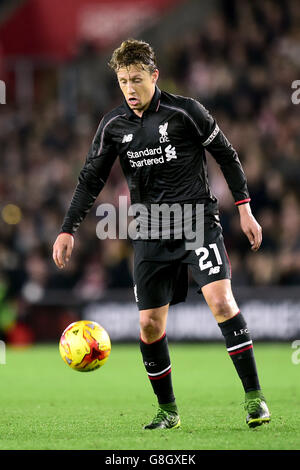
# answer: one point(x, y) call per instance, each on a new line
point(139, 112)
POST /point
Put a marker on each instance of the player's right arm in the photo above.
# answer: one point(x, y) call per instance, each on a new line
point(91, 180)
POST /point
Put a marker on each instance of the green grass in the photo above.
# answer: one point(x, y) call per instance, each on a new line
point(46, 405)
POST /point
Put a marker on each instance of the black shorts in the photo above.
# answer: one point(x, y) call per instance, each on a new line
point(161, 267)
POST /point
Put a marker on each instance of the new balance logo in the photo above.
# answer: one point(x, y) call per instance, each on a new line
point(163, 133)
point(127, 138)
point(214, 270)
point(170, 153)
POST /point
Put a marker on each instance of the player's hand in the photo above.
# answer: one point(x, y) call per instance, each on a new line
point(62, 249)
point(250, 227)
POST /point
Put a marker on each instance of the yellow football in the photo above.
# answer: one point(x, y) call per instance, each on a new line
point(85, 346)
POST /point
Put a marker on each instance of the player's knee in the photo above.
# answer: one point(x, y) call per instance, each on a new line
point(222, 307)
point(151, 328)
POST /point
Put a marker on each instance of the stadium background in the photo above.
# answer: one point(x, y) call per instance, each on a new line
point(239, 58)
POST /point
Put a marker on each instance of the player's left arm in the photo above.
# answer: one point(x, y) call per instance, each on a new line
point(207, 131)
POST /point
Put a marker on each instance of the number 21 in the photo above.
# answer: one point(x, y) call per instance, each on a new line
point(204, 253)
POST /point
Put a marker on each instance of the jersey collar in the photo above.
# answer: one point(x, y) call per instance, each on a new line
point(153, 107)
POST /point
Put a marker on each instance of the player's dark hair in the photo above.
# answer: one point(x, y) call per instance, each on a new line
point(133, 52)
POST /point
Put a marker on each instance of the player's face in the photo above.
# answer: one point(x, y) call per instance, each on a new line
point(138, 86)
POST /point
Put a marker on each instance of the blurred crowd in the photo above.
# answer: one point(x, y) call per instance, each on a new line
point(241, 65)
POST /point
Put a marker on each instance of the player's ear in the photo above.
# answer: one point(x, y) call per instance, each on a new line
point(155, 75)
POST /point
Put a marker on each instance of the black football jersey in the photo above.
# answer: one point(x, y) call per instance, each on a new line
point(162, 155)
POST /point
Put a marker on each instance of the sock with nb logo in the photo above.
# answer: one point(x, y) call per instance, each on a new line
point(240, 348)
point(158, 366)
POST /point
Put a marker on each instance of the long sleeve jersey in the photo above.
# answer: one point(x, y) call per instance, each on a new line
point(162, 155)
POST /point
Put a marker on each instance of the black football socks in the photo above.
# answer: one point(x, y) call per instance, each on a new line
point(240, 348)
point(158, 366)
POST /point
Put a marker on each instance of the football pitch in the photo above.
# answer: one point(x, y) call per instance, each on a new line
point(46, 405)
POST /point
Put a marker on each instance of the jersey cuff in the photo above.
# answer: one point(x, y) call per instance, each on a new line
point(243, 201)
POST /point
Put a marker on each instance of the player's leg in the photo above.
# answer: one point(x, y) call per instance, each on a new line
point(220, 299)
point(210, 267)
point(155, 352)
point(156, 358)
point(156, 278)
